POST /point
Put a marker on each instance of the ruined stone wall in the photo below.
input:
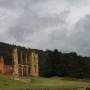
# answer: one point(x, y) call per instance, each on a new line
point(34, 69)
point(15, 62)
point(1, 64)
point(37, 64)
point(5, 69)
point(29, 68)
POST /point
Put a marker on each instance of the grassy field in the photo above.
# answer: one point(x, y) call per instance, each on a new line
point(39, 83)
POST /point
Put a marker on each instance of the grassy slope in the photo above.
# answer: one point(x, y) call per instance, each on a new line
point(7, 84)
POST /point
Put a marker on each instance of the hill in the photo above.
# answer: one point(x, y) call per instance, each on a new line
point(52, 63)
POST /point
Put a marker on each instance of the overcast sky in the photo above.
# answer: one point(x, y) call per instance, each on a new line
point(47, 24)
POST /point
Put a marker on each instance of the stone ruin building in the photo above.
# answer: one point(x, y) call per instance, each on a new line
point(29, 67)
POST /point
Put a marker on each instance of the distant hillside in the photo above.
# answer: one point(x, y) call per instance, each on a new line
point(53, 63)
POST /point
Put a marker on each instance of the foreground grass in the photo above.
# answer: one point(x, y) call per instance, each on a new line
point(38, 83)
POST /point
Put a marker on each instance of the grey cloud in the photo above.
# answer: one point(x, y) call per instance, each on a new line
point(30, 23)
point(43, 29)
point(13, 4)
point(80, 40)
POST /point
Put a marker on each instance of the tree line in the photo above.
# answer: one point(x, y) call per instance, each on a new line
point(53, 63)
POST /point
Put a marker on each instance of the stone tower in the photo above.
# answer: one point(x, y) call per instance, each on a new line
point(34, 69)
point(15, 62)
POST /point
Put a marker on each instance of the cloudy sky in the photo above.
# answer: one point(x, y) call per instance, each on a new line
point(47, 24)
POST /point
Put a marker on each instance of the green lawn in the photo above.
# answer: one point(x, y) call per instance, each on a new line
point(37, 83)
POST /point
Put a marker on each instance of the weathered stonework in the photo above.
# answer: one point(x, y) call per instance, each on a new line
point(27, 66)
point(1, 64)
point(15, 62)
point(5, 69)
point(34, 65)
